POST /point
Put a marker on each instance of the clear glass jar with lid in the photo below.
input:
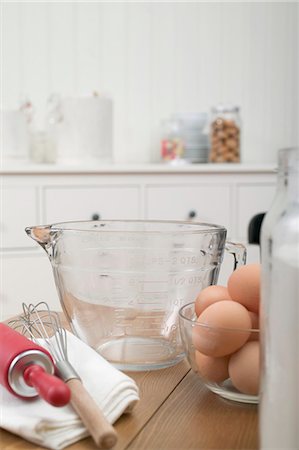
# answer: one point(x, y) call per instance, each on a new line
point(225, 134)
point(172, 145)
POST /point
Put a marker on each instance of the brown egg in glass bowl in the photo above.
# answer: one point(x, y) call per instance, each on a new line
point(225, 358)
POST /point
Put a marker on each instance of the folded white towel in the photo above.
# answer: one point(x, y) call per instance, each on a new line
point(56, 428)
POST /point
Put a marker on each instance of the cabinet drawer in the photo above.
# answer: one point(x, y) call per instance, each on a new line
point(252, 200)
point(204, 203)
point(84, 202)
point(19, 210)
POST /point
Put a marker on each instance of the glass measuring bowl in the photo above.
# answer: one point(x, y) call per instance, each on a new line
point(122, 283)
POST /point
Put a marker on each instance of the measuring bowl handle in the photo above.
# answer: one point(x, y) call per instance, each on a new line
point(238, 251)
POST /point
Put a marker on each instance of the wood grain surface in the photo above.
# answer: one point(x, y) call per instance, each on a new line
point(194, 418)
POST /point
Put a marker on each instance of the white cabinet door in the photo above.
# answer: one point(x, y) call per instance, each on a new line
point(19, 209)
point(88, 202)
point(204, 203)
point(252, 200)
point(26, 278)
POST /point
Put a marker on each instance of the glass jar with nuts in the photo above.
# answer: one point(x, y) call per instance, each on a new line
point(225, 134)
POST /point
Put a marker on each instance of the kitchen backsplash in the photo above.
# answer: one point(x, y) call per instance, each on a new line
point(156, 59)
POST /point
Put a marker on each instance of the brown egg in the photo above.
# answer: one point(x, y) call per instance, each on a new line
point(244, 368)
point(209, 295)
point(244, 286)
point(212, 369)
point(255, 325)
point(221, 329)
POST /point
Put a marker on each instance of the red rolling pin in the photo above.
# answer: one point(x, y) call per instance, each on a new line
point(27, 370)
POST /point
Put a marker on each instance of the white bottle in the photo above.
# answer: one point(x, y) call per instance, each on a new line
point(279, 202)
point(277, 208)
point(279, 404)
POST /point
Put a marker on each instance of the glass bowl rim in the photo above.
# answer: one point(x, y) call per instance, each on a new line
point(194, 323)
point(190, 228)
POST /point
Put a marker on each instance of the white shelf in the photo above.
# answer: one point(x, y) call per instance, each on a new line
point(28, 168)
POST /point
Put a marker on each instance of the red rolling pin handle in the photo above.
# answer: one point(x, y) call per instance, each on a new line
point(49, 387)
point(13, 347)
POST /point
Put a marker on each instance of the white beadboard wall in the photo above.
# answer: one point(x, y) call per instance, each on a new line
point(157, 58)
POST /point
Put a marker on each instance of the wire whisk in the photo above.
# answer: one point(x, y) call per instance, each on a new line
point(44, 327)
point(37, 323)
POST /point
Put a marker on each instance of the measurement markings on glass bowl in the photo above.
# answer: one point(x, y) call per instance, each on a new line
point(184, 280)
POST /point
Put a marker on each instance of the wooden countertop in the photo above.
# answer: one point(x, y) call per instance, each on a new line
point(176, 412)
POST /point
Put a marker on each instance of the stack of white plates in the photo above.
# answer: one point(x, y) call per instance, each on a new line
point(195, 136)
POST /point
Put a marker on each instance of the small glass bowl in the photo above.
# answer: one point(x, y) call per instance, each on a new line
point(188, 328)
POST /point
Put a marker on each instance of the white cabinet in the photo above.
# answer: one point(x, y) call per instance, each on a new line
point(227, 195)
point(90, 202)
point(19, 208)
point(200, 202)
point(26, 277)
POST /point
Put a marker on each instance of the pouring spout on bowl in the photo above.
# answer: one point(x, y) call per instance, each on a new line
point(42, 235)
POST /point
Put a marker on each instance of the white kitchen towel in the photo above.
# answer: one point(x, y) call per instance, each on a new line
point(56, 428)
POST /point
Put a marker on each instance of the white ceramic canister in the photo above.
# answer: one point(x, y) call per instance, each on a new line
point(85, 131)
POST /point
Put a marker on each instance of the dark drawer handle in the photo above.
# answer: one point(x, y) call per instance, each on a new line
point(96, 216)
point(192, 214)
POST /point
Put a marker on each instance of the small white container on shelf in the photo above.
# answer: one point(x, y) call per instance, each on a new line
point(15, 136)
point(195, 136)
point(184, 138)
